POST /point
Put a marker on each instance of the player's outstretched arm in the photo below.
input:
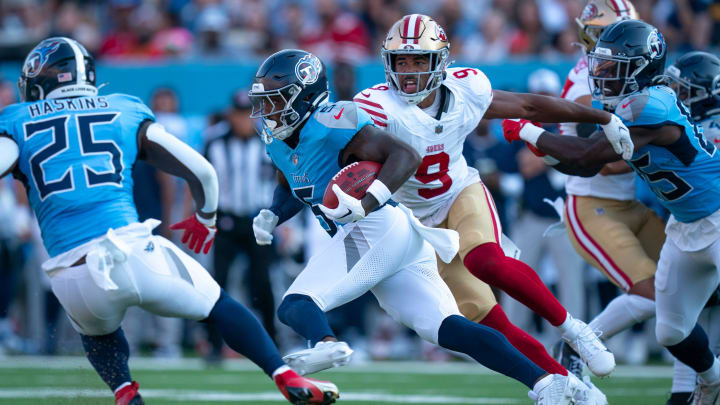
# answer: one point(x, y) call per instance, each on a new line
point(9, 154)
point(399, 160)
point(536, 107)
point(164, 151)
point(582, 156)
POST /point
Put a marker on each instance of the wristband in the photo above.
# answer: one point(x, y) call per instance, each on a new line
point(530, 133)
point(379, 190)
point(209, 222)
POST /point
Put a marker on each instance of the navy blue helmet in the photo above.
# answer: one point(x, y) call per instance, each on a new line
point(57, 67)
point(288, 86)
point(695, 77)
point(628, 57)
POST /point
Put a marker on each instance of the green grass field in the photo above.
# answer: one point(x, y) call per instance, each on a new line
point(64, 381)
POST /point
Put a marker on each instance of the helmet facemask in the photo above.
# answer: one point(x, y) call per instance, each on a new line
point(687, 91)
point(272, 111)
point(437, 63)
point(612, 77)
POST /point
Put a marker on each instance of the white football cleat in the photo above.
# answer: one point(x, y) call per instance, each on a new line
point(706, 394)
point(587, 344)
point(594, 395)
point(321, 357)
point(557, 389)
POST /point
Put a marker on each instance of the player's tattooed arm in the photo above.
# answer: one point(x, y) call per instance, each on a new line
point(399, 159)
point(535, 107)
point(164, 151)
point(9, 154)
point(284, 205)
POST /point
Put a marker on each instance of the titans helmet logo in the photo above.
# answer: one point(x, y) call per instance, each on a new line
point(38, 57)
point(308, 69)
point(656, 44)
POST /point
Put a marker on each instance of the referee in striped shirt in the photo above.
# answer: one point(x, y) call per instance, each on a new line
point(247, 180)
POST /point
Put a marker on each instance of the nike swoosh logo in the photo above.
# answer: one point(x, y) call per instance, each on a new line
point(346, 214)
point(337, 117)
point(628, 103)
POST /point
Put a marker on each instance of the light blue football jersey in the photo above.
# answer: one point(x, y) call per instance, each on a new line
point(309, 167)
point(685, 175)
point(76, 160)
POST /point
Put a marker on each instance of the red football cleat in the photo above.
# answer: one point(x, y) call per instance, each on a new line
point(129, 395)
point(302, 391)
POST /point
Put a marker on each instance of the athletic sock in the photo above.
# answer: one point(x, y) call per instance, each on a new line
point(489, 348)
point(695, 352)
point(109, 355)
point(307, 319)
point(488, 263)
point(621, 313)
point(243, 333)
point(522, 341)
point(684, 378)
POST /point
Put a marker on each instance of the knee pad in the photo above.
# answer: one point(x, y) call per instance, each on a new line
point(669, 335)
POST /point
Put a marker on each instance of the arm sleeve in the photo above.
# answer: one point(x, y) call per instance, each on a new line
point(284, 204)
point(9, 154)
point(167, 153)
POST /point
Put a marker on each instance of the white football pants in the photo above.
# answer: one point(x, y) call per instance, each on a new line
point(384, 254)
point(684, 281)
point(155, 275)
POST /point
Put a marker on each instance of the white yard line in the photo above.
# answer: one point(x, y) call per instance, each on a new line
point(220, 396)
point(30, 362)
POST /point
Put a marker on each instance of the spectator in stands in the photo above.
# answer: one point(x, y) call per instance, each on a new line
point(247, 178)
point(338, 35)
point(528, 36)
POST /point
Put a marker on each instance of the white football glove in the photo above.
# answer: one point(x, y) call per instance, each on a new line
point(263, 225)
point(349, 208)
point(619, 136)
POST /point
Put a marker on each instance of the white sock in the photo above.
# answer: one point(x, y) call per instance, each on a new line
point(683, 377)
point(712, 374)
point(123, 385)
point(567, 323)
point(621, 313)
point(280, 370)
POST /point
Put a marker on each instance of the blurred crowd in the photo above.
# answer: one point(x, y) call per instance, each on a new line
point(483, 31)
point(345, 32)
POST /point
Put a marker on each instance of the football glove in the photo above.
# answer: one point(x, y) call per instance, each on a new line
point(619, 137)
point(349, 208)
point(263, 225)
point(199, 232)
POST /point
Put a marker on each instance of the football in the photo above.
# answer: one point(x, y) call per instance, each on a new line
point(354, 179)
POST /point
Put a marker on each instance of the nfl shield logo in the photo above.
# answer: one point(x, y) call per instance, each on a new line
point(294, 159)
point(438, 129)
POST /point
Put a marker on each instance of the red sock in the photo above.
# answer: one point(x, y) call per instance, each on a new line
point(488, 263)
point(522, 341)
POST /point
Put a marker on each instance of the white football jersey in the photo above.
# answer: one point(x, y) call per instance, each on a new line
point(615, 187)
point(711, 129)
point(443, 173)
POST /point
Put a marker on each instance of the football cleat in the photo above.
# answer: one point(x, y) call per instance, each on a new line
point(569, 359)
point(301, 391)
point(557, 389)
point(594, 395)
point(679, 398)
point(706, 394)
point(129, 395)
point(321, 357)
point(587, 344)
